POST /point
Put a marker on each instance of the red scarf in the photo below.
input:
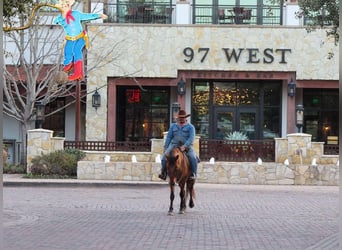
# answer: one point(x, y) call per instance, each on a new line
point(69, 17)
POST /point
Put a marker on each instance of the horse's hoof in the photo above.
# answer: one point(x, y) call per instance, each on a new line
point(191, 205)
point(170, 213)
point(182, 212)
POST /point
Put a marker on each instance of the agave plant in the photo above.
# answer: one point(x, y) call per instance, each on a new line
point(237, 135)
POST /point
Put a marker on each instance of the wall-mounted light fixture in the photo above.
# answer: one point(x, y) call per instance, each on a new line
point(181, 87)
point(299, 117)
point(291, 88)
point(96, 100)
point(40, 114)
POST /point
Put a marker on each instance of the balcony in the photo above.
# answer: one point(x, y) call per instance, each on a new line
point(232, 14)
point(164, 13)
point(148, 12)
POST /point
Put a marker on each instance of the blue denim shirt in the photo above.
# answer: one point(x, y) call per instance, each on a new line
point(75, 27)
point(180, 135)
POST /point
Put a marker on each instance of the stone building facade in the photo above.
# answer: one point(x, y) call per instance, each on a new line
point(161, 56)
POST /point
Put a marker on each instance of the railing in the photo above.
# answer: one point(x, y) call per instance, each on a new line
point(239, 151)
point(331, 149)
point(159, 12)
point(231, 14)
point(152, 12)
point(139, 146)
point(221, 150)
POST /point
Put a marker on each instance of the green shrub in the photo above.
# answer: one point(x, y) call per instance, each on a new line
point(237, 135)
point(14, 169)
point(60, 163)
point(79, 154)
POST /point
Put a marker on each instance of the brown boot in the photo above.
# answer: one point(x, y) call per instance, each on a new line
point(163, 175)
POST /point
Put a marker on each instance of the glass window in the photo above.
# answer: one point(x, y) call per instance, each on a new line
point(271, 125)
point(267, 12)
point(141, 11)
point(271, 94)
point(200, 110)
point(248, 93)
point(222, 107)
point(143, 113)
point(224, 93)
point(321, 107)
point(56, 121)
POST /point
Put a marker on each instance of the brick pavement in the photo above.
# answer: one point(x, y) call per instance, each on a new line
point(124, 216)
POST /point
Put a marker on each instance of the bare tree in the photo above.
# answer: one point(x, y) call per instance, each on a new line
point(33, 73)
point(33, 69)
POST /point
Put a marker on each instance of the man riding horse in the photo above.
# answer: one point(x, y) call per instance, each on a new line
point(181, 134)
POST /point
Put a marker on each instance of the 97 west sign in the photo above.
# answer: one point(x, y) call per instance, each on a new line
point(251, 55)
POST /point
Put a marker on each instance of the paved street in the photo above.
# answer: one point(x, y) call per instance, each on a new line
point(128, 216)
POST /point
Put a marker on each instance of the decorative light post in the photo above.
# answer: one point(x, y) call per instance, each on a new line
point(96, 100)
point(291, 89)
point(181, 87)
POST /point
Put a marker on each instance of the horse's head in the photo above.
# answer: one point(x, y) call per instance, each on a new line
point(173, 161)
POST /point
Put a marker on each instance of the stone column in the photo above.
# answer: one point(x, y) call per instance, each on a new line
point(299, 148)
point(57, 143)
point(40, 141)
point(281, 148)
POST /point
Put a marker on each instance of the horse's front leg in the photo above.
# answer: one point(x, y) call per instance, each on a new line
point(172, 197)
point(183, 201)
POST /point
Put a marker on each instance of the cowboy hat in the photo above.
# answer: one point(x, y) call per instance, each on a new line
point(182, 114)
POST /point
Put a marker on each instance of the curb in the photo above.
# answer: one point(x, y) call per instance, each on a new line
point(17, 181)
point(77, 184)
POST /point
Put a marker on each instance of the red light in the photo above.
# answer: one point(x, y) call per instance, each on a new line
point(133, 95)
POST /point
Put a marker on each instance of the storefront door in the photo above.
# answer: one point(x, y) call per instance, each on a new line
point(230, 119)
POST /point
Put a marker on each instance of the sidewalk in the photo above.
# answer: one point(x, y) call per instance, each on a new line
point(58, 214)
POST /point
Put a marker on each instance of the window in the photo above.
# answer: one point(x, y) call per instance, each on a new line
point(143, 113)
point(321, 113)
point(56, 121)
point(221, 107)
point(140, 11)
point(256, 12)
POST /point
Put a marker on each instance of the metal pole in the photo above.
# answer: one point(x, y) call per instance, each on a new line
point(2, 82)
point(78, 112)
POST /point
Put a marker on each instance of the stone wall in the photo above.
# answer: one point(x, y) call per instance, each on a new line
point(298, 162)
point(219, 173)
point(41, 141)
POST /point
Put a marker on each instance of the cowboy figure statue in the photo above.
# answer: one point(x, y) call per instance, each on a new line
point(76, 38)
point(181, 134)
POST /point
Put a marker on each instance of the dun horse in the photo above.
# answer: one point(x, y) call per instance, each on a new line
point(178, 169)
